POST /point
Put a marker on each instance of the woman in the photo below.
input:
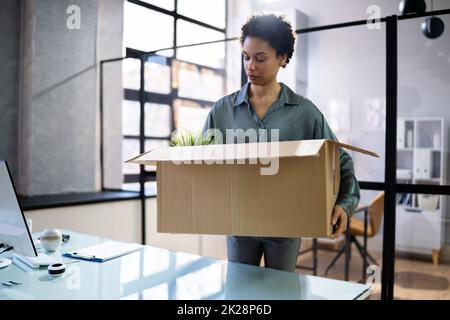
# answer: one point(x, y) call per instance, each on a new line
point(267, 43)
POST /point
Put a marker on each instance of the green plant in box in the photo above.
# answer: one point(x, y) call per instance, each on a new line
point(186, 137)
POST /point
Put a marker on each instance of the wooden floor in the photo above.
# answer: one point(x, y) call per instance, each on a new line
point(414, 279)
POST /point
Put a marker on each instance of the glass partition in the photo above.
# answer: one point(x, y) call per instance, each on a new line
point(349, 91)
point(344, 75)
point(422, 220)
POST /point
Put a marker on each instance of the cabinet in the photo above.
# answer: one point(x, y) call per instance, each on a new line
point(421, 152)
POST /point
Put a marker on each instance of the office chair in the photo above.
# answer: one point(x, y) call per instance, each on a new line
point(357, 227)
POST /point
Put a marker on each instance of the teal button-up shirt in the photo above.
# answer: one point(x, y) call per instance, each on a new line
point(297, 118)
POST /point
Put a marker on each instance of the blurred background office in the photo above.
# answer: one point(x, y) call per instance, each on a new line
point(70, 105)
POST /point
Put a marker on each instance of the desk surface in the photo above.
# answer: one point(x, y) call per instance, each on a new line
point(155, 273)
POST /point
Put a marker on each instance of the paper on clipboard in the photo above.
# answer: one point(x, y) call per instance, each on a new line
point(104, 251)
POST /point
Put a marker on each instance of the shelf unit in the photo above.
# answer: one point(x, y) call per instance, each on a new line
point(421, 152)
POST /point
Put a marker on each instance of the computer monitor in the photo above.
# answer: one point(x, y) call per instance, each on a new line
point(13, 227)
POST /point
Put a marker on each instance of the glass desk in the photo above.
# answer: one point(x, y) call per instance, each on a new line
point(155, 273)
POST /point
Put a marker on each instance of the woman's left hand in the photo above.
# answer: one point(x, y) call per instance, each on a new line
point(339, 218)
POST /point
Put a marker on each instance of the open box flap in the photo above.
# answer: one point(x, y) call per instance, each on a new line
point(223, 152)
point(353, 148)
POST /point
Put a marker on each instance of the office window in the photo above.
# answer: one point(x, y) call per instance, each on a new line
point(130, 74)
point(130, 148)
point(157, 120)
point(190, 115)
point(130, 117)
point(212, 55)
point(181, 85)
point(135, 186)
point(157, 77)
point(209, 11)
point(146, 29)
point(165, 4)
point(199, 83)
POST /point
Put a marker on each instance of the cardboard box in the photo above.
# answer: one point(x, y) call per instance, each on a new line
point(236, 189)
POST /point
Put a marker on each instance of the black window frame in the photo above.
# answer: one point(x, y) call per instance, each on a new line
point(151, 97)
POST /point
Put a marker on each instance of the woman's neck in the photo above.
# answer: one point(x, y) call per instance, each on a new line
point(269, 90)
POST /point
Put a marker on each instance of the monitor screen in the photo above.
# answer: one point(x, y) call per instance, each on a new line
point(13, 227)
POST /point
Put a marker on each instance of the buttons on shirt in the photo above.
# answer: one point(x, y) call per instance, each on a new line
point(262, 123)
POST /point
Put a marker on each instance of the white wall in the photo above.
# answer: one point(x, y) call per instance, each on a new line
point(9, 81)
point(58, 123)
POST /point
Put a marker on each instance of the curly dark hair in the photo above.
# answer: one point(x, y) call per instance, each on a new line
point(273, 29)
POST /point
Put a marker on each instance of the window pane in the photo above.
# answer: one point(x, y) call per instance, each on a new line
point(212, 55)
point(152, 144)
point(146, 29)
point(157, 75)
point(130, 117)
point(131, 74)
point(131, 186)
point(190, 115)
point(165, 4)
point(209, 11)
point(150, 187)
point(130, 149)
point(233, 66)
point(157, 120)
point(198, 83)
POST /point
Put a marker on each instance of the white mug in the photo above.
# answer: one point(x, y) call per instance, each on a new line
point(51, 239)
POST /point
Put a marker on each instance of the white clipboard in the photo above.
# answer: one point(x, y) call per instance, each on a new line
point(104, 251)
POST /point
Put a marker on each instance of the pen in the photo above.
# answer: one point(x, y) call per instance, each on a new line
point(72, 261)
point(84, 257)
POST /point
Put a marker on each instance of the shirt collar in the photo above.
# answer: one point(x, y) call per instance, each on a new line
point(242, 95)
point(287, 97)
